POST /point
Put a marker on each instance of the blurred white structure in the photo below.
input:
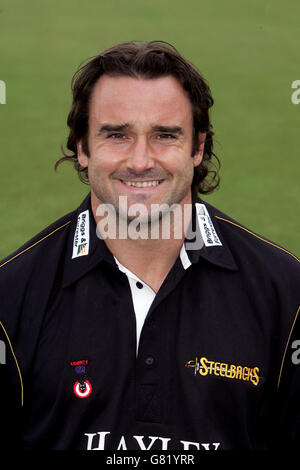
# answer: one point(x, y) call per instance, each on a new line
point(2, 92)
point(2, 352)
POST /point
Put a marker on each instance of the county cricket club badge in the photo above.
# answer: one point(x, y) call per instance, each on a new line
point(82, 387)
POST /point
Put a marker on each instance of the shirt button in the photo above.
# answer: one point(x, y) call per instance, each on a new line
point(149, 361)
point(139, 285)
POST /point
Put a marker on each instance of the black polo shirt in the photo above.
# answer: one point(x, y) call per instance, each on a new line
point(213, 368)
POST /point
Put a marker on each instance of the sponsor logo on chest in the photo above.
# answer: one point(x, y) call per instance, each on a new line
point(203, 366)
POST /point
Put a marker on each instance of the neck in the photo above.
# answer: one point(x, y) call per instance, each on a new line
point(150, 258)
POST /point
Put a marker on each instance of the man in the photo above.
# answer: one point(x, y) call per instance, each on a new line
point(147, 319)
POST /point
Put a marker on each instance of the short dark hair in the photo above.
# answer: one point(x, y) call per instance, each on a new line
point(144, 60)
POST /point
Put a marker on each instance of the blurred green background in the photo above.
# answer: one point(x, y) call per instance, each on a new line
point(248, 51)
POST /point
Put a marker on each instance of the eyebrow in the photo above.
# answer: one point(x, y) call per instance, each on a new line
point(112, 128)
point(169, 129)
point(122, 127)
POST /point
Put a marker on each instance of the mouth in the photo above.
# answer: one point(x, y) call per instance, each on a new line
point(142, 184)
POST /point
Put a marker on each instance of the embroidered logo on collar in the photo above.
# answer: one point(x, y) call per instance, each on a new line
point(206, 226)
point(82, 386)
point(204, 366)
point(82, 235)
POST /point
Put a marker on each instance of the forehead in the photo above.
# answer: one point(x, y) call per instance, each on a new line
point(115, 99)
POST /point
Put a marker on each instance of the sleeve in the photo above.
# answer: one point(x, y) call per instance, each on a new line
point(14, 321)
point(27, 277)
point(287, 409)
point(11, 395)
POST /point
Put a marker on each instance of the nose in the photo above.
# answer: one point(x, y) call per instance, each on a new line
point(140, 156)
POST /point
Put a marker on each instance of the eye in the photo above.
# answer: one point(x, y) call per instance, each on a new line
point(166, 136)
point(116, 136)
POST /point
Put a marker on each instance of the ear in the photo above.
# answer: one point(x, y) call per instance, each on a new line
point(82, 157)
point(199, 154)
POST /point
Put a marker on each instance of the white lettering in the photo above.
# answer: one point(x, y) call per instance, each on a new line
point(295, 355)
point(97, 441)
point(101, 442)
point(109, 221)
point(132, 461)
point(187, 444)
point(140, 442)
point(140, 220)
point(2, 92)
point(207, 446)
point(118, 460)
point(206, 226)
point(122, 444)
point(82, 235)
point(296, 94)
point(161, 217)
point(164, 221)
point(2, 352)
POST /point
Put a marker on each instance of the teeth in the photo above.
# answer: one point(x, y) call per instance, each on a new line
point(142, 184)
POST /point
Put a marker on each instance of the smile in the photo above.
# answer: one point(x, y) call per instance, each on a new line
point(142, 184)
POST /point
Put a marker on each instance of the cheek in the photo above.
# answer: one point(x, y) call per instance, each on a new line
point(101, 165)
point(182, 168)
point(106, 159)
point(189, 174)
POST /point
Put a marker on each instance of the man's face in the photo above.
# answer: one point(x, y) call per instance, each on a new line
point(140, 141)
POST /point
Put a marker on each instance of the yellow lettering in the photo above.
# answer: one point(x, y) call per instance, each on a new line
point(245, 375)
point(223, 369)
point(211, 363)
point(217, 366)
point(203, 361)
point(193, 364)
point(239, 371)
point(232, 371)
point(204, 366)
point(255, 378)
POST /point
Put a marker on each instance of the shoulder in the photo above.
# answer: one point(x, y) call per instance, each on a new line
point(27, 277)
point(251, 248)
point(45, 243)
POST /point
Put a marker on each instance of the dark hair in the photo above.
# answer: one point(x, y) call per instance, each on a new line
point(144, 60)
